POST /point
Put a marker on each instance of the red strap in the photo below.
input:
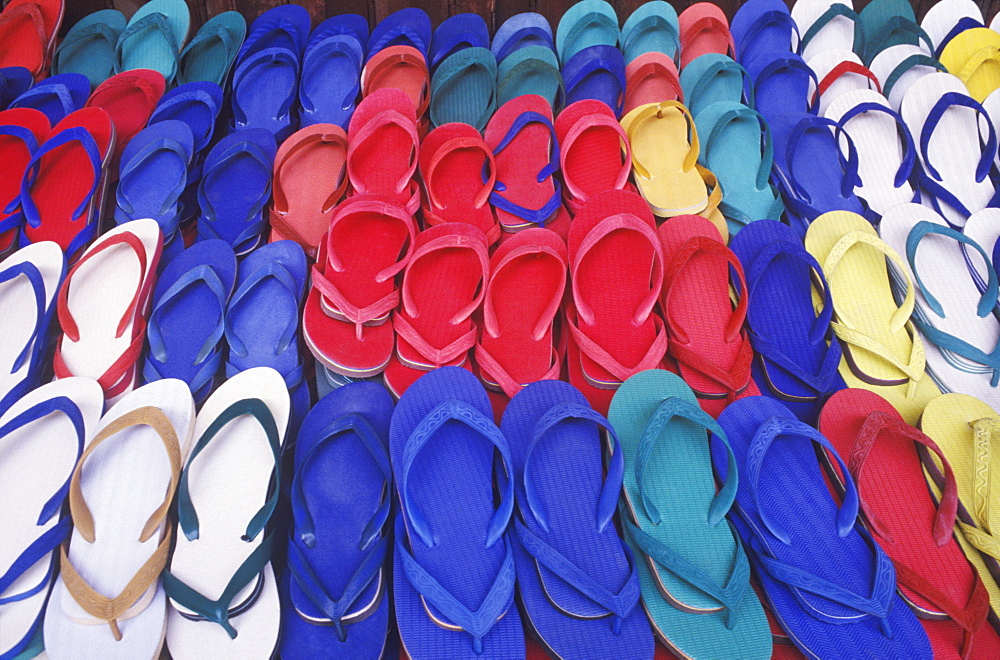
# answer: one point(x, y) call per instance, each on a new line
point(375, 206)
point(545, 320)
point(117, 378)
point(651, 360)
point(436, 357)
point(30, 11)
point(341, 308)
point(492, 230)
point(733, 380)
point(845, 67)
point(407, 57)
point(489, 365)
point(584, 124)
point(655, 70)
point(455, 240)
point(447, 148)
point(380, 120)
point(281, 203)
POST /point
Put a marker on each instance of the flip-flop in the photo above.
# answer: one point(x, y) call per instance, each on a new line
point(900, 66)
point(64, 182)
point(522, 31)
point(694, 573)
point(704, 29)
point(129, 98)
point(826, 25)
point(972, 57)
point(403, 68)
point(763, 29)
point(265, 91)
point(652, 27)
point(29, 281)
point(410, 26)
point(964, 427)
point(43, 437)
point(21, 132)
point(28, 31)
point(346, 323)
point(596, 72)
point(796, 353)
point(983, 227)
point(455, 33)
point(153, 38)
point(739, 151)
point(197, 104)
point(310, 178)
point(954, 317)
point(586, 23)
point(781, 85)
point(452, 565)
point(616, 271)
point(839, 72)
point(262, 320)
point(651, 78)
point(531, 70)
point(594, 152)
point(886, 153)
point(956, 155)
point(335, 592)
point(830, 585)
point(235, 187)
point(517, 344)
point(443, 286)
point(284, 26)
point(121, 536)
point(712, 78)
point(915, 531)
point(186, 319)
point(56, 97)
point(882, 350)
point(577, 581)
point(89, 46)
point(946, 19)
point(464, 88)
point(887, 23)
point(102, 307)
point(210, 54)
point(220, 581)
point(453, 159)
point(331, 71)
point(14, 81)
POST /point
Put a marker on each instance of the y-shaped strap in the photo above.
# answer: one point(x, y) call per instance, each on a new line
point(601, 122)
point(201, 43)
point(34, 277)
point(708, 23)
point(132, 174)
point(849, 179)
point(897, 25)
point(909, 150)
point(253, 221)
point(767, 151)
point(157, 24)
point(656, 111)
point(836, 10)
point(724, 67)
point(588, 21)
point(917, 59)
point(778, 18)
point(193, 97)
point(39, 94)
point(985, 524)
point(450, 147)
point(343, 47)
point(947, 101)
point(963, 24)
point(271, 270)
point(76, 135)
point(536, 216)
point(580, 70)
point(246, 70)
point(389, 117)
point(654, 23)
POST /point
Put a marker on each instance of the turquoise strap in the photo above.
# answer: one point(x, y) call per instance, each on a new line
point(654, 23)
point(917, 59)
point(727, 66)
point(835, 10)
point(767, 154)
point(159, 25)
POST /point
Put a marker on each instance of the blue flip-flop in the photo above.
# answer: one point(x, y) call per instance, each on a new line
point(587, 23)
point(829, 584)
point(153, 174)
point(186, 324)
point(781, 85)
point(455, 33)
point(520, 31)
point(284, 26)
point(235, 187)
point(577, 581)
point(14, 81)
point(89, 46)
point(596, 72)
point(410, 26)
point(349, 25)
point(57, 96)
point(531, 70)
point(335, 593)
point(797, 356)
point(262, 319)
point(464, 88)
point(154, 37)
point(763, 28)
point(712, 78)
point(197, 104)
point(210, 54)
point(331, 71)
point(265, 92)
point(651, 27)
point(453, 564)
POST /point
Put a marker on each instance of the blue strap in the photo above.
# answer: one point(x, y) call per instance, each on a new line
point(538, 216)
point(595, 65)
point(785, 248)
point(849, 165)
point(767, 19)
point(30, 143)
point(936, 193)
point(459, 411)
point(608, 502)
point(336, 47)
point(30, 271)
point(767, 154)
point(963, 24)
point(654, 23)
point(275, 270)
point(40, 94)
point(247, 67)
point(725, 66)
point(133, 173)
point(654, 434)
point(909, 151)
point(35, 552)
point(195, 96)
point(835, 10)
point(793, 428)
point(395, 34)
point(917, 59)
point(513, 43)
point(76, 134)
point(199, 275)
point(254, 222)
point(742, 218)
point(451, 42)
point(946, 101)
point(794, 63)
point(159, 25)
point(198, 383)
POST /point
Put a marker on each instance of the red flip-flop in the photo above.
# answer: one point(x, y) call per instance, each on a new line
point(383, 144)
point(443, 286)
point(704, 28)
point(651, 78)
point(22, 130)
point(708, 343)
point(883, 454)
point(525, 290)
point(616, 270)
point(346, 322)
point(399, 67)
point(594, 152)
point(28, 30)
point(522, 137)
point(454, 158)
point(130, 98)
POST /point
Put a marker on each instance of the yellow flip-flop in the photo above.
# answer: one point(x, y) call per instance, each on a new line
point(974, 57)
point(882, 350)
point(966, 429)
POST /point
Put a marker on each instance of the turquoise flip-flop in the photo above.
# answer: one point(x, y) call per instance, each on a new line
point(531, 70)
point(587, 23)
point(211, 52)
point(89, 46)
point(651, 27)
point(464, 88)
point(712, 78)
point(153, 38)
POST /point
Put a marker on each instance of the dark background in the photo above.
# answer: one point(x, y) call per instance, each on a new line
point(494, 11)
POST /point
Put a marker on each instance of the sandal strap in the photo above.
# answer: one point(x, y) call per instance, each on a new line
point(907, 166)
point(199, 276)
point(390, 117)
point(258, 59)
point(443, 242)
point(34, 277)
point(725, 66)
point(767, 152)
point(339, 46)
point(653, 23)
point(445, 150)
point(707, 23)
point(535, 216)
point(835, 10)
point(587, 123)
point(436, 357)
point(491, 368)
point(544, 324)
point(76, 135)
point(917, 59)
point(845, 67)
point(155, 23)
point(37, 550)
point(947, 101)
point(651, 360)
point(575, 72)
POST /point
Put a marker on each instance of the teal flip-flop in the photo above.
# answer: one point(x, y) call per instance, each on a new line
point(464, 88)
point(89, 46)
point(587, 23)
point(651, 27)
point(212, 50)
point(153, 38)
point(530, 70)
point(694, 573)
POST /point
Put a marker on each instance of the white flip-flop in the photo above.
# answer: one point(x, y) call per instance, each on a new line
point(886, 153)
point(984, 228)
point(43, 435)
point(29, 281)
point(119, 498)
point(898, 67)
point(825, 25)
point(103, 305)
point(955, 320)
point(838, 72)
point(223, 595)
point(946, 18)
point(956, 150)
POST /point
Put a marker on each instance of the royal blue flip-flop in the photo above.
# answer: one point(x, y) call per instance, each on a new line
point(14, 81)
point(763, 28)
point(797, 356)
point(210, 54)
point(464, 88)
point(57, 96)
point(186, 323)
point(265, 91)
point(407, 27)
point(335, 593)
point(348, 25)
point(331, 71)
point(781, 85)
point(577, 580)
point(453, 565)
point(520, 31)
point(830, 586)
point(235, 187)
point(284, 26)
point(712, 78)
point(456, 33)
point(197, 104)
point(89, 46)
point(586, 23)
point(596, 72)
point(531, 70)
point(651, 27)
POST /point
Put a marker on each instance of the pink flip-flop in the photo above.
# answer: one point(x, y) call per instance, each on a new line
point(399, 67)
point(594, 153)
point(704, 28)
point(651, 78)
